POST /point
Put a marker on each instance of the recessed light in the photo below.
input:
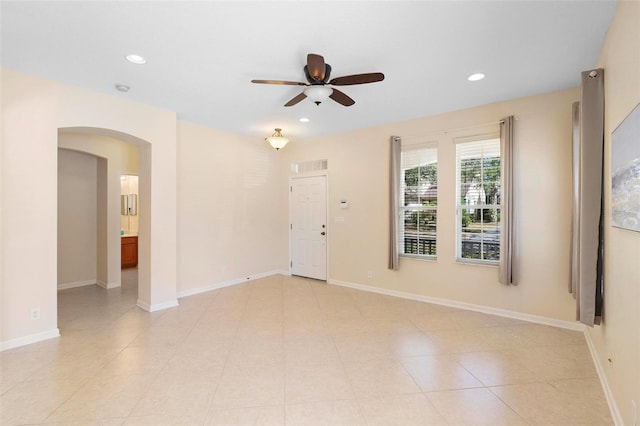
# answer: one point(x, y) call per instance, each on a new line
point(122, 88)
point(304, 120)
point(475, 77)
point(136, 59)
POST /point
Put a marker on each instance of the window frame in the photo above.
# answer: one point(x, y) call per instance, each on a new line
point(459, 207)
point(403, 209)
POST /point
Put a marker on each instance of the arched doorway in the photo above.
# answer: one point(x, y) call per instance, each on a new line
point(91, 290)
point(108, 145)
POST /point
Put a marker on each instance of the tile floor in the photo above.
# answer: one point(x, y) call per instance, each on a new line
point(286, 350)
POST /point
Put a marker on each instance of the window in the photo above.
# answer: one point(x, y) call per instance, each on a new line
point(418, 200)
point(478, 195)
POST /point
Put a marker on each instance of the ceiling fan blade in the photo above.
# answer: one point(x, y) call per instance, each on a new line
point(349, 80)
point(289, 83)
point(295, 100)
point(341, 98)
point(315, 66)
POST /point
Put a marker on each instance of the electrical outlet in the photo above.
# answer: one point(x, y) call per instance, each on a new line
point(35, 313)
point(370, 274)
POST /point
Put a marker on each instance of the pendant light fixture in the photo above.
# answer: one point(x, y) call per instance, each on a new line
point(276, 140)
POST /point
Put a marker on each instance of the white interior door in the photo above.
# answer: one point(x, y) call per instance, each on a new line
point(309, 227)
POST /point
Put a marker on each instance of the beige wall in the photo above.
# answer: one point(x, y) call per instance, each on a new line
point(77, 218)
point(618, 338)
point(33, 110)
point(230, 225)
point(358, 172)
point(102, 219)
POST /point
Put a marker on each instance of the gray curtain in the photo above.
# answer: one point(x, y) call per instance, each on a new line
point(590, 249)
point(506, 273)
point(394, 184)
point(574, 286)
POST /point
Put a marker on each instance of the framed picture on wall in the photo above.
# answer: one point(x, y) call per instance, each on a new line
point(625, 173)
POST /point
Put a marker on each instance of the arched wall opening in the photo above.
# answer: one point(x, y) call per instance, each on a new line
point(123, 154)
point(90, 168)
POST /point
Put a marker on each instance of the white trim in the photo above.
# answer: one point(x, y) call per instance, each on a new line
point(613, 407)
point(157, 306)
point(427, 257)
point(27, 340)
point(75, 284)
point(569, 325)
point(477, 262)
point(107, 286)
point(282, 272)
point(228, 283)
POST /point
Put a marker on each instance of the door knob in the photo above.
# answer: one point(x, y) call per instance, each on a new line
point(322, 233)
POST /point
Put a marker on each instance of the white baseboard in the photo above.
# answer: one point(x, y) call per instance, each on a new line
point(210, 287)
point(570, 325)
point(157, 306)
point(613, 407)
point(107, 286)
point(75, 284)
point(228, 283)
point(27, 340)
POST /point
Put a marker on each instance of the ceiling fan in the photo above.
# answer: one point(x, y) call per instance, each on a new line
point(317, 73)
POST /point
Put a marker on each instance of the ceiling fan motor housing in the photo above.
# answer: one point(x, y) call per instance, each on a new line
point(311, 80)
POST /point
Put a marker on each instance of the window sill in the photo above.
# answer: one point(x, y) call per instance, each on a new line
point(418, 257)
point(472, 262)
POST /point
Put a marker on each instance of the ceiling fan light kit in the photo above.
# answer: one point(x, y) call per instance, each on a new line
point(276, 140)
point(318, 94)
point(317, 73)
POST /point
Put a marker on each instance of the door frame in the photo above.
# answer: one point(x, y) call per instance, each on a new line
point(319, 173)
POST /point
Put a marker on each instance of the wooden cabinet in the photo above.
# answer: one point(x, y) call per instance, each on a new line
point(129, 252)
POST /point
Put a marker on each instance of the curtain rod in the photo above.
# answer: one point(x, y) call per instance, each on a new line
point(457, 129)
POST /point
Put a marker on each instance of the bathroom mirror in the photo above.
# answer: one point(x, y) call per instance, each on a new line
point(129, 205)
point(124, 205)
point(133, 204)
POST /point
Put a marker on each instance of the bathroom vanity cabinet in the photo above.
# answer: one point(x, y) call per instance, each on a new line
point(129, 252)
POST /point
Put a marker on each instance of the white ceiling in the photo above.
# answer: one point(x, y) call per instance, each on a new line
point(202, 54)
